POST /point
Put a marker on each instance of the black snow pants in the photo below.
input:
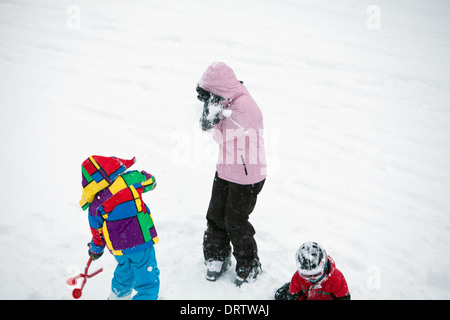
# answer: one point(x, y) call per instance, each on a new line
point(227, 221)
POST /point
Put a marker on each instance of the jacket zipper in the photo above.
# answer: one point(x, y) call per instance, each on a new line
point(245, 167)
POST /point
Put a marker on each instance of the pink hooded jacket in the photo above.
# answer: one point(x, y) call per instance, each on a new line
point(242, 156)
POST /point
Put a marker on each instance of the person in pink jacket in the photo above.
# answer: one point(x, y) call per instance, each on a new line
point(236, 121)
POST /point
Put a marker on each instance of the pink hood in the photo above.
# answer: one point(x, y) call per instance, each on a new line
point(221, 80)
point(242, 156)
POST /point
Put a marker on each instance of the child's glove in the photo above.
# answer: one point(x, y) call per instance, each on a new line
point(203, 95)
point(284, 294)
point(210, 116)
point(93, 255)
point(212, 109)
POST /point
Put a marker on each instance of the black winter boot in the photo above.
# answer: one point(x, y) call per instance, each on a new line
point(249, 273)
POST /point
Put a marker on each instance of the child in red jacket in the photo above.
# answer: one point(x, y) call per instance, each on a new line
point(317, 277)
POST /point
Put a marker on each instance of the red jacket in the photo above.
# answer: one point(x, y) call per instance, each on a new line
point(332, 286)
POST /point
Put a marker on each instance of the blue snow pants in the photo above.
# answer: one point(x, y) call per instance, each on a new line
point(138, 271)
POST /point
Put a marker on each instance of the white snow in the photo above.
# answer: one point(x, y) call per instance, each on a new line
point(355, 96)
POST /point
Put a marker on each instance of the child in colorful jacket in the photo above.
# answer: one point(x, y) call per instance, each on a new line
point(120, 220)
point(317, 277)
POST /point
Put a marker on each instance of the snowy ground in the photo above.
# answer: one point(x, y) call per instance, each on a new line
point(357, 118)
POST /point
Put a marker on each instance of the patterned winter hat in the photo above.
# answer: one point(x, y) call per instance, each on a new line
point(98, 173)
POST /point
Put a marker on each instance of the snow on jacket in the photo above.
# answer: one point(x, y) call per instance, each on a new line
point(242, 157)
point(105, 232)
point(332, 286)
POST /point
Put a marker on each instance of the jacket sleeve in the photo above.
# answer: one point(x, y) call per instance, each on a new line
point(97, 243)
point(347, 297)
point(295, 288)
point(230, 128)
point(340, 287)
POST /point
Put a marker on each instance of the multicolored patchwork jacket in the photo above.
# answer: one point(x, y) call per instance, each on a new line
point(118, 216)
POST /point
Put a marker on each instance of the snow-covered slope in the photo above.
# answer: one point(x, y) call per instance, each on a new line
point(356, 105)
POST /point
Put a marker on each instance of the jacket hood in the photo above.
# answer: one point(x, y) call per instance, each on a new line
point(99, 172)
point(221, 80)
